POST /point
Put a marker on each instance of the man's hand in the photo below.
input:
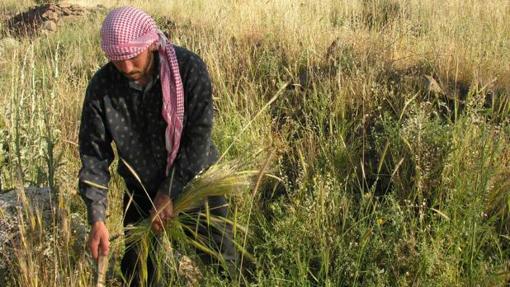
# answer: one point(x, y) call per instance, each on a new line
point(99, 243)
point(162, 212)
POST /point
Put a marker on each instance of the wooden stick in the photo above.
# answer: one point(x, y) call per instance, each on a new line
point(102, 267)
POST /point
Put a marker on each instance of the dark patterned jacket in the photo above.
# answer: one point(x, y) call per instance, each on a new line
point(119, 111)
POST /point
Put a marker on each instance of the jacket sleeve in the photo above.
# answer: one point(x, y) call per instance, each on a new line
point(96, 155)
point(195, 147)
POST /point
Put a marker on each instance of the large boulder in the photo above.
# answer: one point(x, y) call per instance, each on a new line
point(19, 208)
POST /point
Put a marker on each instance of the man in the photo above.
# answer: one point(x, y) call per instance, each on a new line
point(154, 101)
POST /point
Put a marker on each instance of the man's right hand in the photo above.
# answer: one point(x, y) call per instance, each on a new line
point(99, 243)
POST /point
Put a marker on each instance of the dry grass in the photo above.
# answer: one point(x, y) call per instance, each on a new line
point(383, 180)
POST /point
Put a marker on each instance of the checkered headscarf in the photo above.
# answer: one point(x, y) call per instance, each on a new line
point(126, 32)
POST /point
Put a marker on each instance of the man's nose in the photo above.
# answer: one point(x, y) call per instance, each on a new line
point(126, 66)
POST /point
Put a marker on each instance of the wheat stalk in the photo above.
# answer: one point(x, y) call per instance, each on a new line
point(102, 267)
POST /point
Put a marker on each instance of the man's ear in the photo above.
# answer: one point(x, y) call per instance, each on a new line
point(153, 47)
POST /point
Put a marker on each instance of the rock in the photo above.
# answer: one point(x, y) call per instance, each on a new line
point(10, 203)
point(49, 26)
point(67, 11)
point(50, 16)
point(433, 86)
point(35, 20)
point(40, 201)
point(189, 270)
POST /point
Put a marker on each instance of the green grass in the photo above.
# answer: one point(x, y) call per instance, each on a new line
point(381, 181)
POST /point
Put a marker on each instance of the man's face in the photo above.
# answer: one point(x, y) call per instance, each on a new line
point(136, 68)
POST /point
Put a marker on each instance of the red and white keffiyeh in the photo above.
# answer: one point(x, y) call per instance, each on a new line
point(128, 31)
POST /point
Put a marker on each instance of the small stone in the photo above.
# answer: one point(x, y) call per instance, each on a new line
point(50, 15)
point(189, 270)
point(49, 26)
point(433, 86)
point(77, 8)
point(66, 11)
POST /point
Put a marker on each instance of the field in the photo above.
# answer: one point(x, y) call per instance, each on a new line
point(385, 124)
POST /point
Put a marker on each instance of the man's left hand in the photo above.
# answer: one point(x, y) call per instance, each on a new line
point(162, 211)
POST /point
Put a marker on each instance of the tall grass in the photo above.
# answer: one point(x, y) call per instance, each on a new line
point(221, 179)
point(383, 180)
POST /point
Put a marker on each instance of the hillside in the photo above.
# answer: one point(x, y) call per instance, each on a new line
point(384, 123)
